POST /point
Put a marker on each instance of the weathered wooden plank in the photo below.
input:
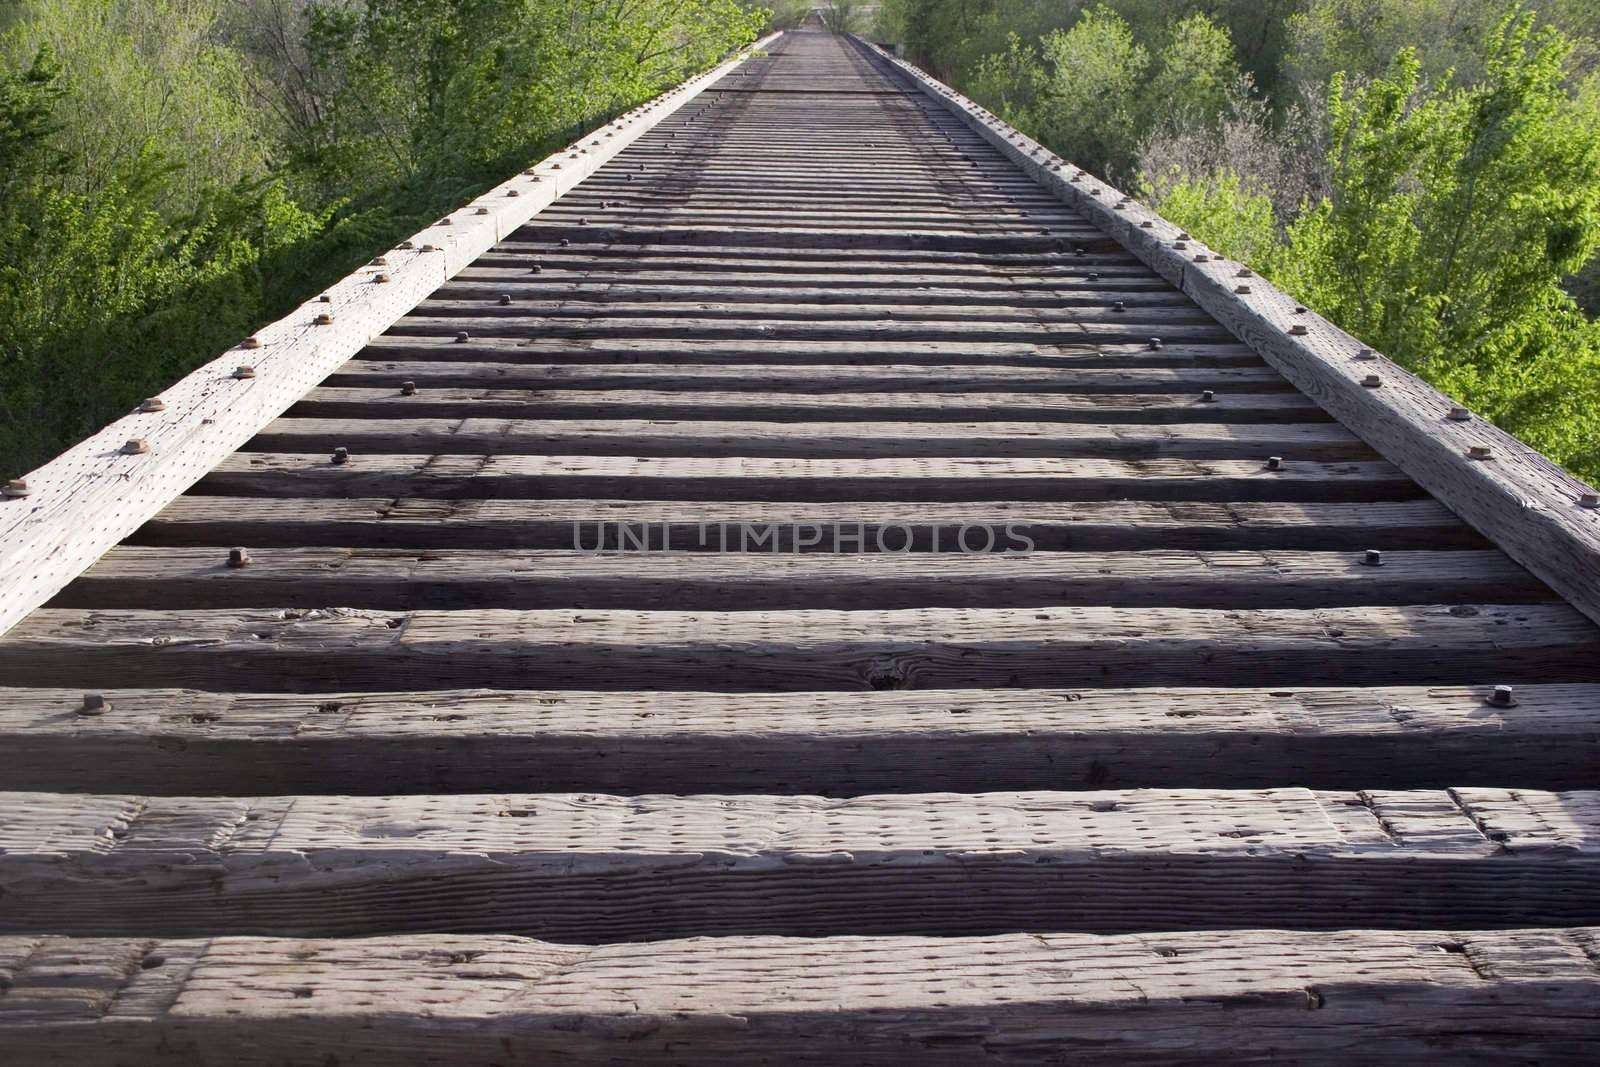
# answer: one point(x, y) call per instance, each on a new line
point(492, 402)
point(437, 374)
point(1240, 996)
point(187, 742)
point(298, 650)
point(1525, 503)
point(486, 279)
point(714, 526)
point(94, 494)
point(533, 293)
point(580, 866)
point(816, 440)
point(984, 567)
point(1065, 353)
point(797, 479)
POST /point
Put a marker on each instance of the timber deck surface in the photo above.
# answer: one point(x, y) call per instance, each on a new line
point(986, 664)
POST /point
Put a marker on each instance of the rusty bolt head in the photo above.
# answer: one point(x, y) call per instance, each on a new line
point(1242, 290)
point(135, 446)
point(1117, 305)
point(1274, 463)
point(1373, 558)
point(244, 371)
point(447, 221)
point(1366, 354)
point(1244, 272)
point(1147, 225)
point(341, 456)
point(555, 166)
point(512, 192)
point(1180, 245)
point(1184, 236)
point(325, 299)
point(17, 487)
point(1372, 381)
point(481, 211)
point(151, 404)
point(1201, 257)
point(380, 261)
point(238, 557)
point(1480, 452)
point(462, 337)
point(505, 298)
point(405, 245)
point(1589, 500)
point(565, 242)
point(430, 248)
point(1460, 415)
point(1503, 697)
point(323, 319)
point(1208, 396)
point(1093, 276)
point(1155, 343)
point(536, 269)
point(380, 279)
point(94, 704)
point(250, 342)
point(583, 222)
point(1298, 330)
point(408, 388)
point(1299, 309)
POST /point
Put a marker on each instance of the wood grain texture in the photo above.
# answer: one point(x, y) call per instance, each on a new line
point(815, 440)
point(596, 868)
point(298, 650)
point(1245, 997)
point(188, 742)
point(972, 478)
point(1085, 525)
point(995, 572)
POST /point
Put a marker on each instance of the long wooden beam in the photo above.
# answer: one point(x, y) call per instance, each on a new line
point(184, 742)
point(1543, 517)
point(61, 517)
point(1245, 996)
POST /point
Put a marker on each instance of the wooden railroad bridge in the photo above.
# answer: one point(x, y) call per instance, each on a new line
point(1069, 649)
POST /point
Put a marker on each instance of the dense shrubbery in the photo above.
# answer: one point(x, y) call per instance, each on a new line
point(1424, 172)
point(174, 172)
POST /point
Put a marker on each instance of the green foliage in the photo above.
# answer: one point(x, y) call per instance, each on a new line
point(174, 172)
point(1219, 210)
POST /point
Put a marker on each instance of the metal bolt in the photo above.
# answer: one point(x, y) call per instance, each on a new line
point(1298, 330)
point(94, 704)
point(1207, 396)
point(1372, 381)
point(1373, 558)
point(154, 403)
point(1183, 236)
point(1080, 251)
point(512, 192)
point(1503, 697)
point(244, 371)
point(381, 261)
point(447, 222)
point(481, 211)
point(583, 222)
point(1274, 463)
point(250, 342)
point(1180, 245)
point(430, 248)
point(1366, 354)
point(1299, 309)
point(1480, 452)
point(323, 319)
point(535, 269)
point(380, 279)
point(462, 337)
point(408, 388)
point(238, 557)
point(1460, 415)
point(1147, 225)
point(405, 245)
point(505, 298)
point(565, 242)
point(1155, 343)
point(324, 299)
point(1118, 306)
point(17, 487)
point(1094, 276)
point(1242, 290)
point(1201, 257)
point(341, 456)
point(1244, 272)
point(1589, 500)
point(135, 446)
